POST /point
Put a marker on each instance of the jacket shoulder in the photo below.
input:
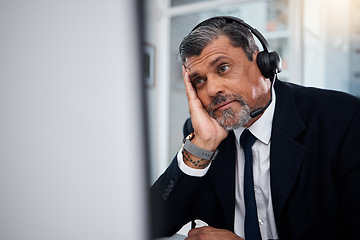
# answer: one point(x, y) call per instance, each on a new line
point(322, 101)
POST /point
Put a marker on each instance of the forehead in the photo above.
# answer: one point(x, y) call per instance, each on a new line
point(220, 46)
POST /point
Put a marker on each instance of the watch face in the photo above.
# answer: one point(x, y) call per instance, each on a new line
point(190, 136)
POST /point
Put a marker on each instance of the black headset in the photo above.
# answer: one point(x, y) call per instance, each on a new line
point(268, 62)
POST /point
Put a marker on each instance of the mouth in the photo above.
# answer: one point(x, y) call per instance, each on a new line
point(223, 105)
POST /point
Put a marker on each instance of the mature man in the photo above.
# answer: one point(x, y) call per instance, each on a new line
point(304, 175)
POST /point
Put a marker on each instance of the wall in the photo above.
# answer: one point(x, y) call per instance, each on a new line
point(158, 104)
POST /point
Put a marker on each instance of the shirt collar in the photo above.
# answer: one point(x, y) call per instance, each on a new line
point(261, 129)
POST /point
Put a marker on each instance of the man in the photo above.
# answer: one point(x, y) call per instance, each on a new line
point(306, 158)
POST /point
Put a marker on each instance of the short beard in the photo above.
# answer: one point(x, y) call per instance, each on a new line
point(230, 119)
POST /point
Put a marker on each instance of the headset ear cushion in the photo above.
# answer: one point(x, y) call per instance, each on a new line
point(263, 63)
point(269, 63)
point(275, 61)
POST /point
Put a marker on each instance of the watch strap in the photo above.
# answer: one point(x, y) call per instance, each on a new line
point(199, 152)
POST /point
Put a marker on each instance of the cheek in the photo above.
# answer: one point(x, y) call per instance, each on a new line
point(204, 99)
point(260, 87)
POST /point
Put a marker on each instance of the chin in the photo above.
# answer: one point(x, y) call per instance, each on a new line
point(231, 120)
point(232, 125)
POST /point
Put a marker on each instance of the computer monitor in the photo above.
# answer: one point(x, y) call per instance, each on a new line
point(72, 143)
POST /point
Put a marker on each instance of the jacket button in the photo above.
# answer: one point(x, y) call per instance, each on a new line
point(165, 196)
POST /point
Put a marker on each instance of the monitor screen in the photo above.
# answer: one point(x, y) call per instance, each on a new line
point(72, 159)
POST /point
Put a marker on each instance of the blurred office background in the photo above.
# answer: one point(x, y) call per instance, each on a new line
point(318, 40)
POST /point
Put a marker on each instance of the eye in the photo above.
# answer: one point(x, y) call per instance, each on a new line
point(223, 68)
point(198, 83)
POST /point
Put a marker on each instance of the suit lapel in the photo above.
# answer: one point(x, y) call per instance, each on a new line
point(222, 173)
point(286, 153)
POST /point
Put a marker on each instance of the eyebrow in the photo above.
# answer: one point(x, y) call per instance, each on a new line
point(212, 64)
point(218, 59)
point(193, 75)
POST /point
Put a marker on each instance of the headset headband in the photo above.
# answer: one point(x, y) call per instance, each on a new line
point(230, 19)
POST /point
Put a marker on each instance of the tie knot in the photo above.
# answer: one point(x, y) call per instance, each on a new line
point(247, 139)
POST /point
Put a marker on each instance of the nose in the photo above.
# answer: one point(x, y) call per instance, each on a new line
point(214, 86)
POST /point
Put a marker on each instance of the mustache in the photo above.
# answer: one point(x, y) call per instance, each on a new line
point(223, 98)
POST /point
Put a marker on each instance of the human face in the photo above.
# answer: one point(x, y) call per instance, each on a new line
point(227, 83)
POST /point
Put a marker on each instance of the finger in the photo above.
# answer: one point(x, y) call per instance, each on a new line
point(200, 230)
point(184, 70)
point(193, 232)
point(190, 91)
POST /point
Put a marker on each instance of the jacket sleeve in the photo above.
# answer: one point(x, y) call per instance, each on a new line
point(348, 180)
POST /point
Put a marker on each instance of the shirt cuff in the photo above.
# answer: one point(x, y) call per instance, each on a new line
point(194, 172)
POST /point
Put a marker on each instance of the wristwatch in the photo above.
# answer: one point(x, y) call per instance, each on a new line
point(196, 151)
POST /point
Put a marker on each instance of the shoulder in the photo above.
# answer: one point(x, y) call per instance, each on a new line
point(314, 93)
point(328, 110)
point(311, 99)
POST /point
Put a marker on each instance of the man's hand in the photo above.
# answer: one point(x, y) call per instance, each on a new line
point(208, 132)
point(210, 233)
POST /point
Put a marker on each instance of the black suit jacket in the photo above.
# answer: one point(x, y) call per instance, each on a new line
point(314, 172)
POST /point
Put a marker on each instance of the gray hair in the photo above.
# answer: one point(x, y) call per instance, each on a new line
point(211, 29)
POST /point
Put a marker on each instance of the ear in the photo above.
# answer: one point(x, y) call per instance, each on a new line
point(255, 54)
point(255, 61)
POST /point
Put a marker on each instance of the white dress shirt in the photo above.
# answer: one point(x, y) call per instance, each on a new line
point(261, 129)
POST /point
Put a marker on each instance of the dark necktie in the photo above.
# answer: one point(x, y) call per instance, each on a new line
point(252, 231)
